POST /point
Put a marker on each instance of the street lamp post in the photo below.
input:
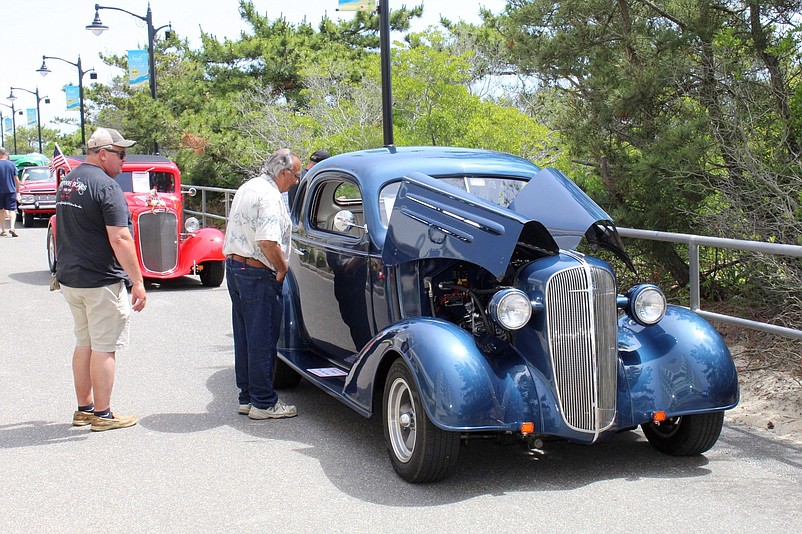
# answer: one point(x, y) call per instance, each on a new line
point(386, 77)
point(97, 27)
point(44, 71)
point(12, 98)
point(13, 123)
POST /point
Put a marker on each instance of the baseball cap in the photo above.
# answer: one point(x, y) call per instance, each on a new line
point(107, 137)
point(319, 155)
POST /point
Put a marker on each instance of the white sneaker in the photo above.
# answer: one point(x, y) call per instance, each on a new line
point(277, 411)
point(244, 409)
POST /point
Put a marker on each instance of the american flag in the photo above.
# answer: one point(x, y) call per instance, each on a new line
point(58, 160)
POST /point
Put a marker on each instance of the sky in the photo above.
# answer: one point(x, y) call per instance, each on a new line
point(30, 29)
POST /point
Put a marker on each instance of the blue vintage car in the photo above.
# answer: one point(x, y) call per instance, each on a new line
point(441, 289)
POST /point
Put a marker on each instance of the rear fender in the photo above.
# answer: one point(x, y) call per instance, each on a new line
point(460, 388)
point(680, 366)
point(290, 336)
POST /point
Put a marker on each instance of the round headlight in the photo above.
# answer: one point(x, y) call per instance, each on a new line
point(27, 199)
point(647, 304)
point(510, 308)
point(192, 224)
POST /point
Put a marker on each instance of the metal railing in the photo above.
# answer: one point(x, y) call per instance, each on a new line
point(192, 190)
point(692, 241)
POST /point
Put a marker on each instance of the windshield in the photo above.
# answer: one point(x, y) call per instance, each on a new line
point(144, 181)
point(499, 191)
point(35, 175)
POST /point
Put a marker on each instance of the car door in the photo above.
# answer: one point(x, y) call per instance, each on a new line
point(330, 264)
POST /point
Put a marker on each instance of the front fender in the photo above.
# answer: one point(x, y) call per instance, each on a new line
point(460, 388)
point(204, 245)
point(680, 366)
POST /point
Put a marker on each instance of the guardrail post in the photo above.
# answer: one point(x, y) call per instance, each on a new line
point(203, 206)
point(228, 204)
point(693, 266)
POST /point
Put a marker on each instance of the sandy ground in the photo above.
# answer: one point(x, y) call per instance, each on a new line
point(770, 400)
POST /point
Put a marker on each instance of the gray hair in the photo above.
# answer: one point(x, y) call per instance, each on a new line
point(3, 151)
point(281, 159)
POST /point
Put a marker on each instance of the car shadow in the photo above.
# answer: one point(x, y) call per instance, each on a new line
point(183, 283)
point(352, 454)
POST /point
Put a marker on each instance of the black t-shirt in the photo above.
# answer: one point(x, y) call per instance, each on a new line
point(88, 201)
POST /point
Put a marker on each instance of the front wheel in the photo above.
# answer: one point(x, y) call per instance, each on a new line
point(419, 451)
point(51, 249)
point(685, 435)
point(27, 219)
point(212, 273)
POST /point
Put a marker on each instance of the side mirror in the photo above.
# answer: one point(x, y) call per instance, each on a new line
point(192, 191)
point(343, 221)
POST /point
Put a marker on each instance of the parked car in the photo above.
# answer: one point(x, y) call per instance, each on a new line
point(167, 246)
point(441, 289)
point(37, 194)
point(32, 159)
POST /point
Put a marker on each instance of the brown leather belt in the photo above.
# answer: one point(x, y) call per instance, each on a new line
point(249, 261)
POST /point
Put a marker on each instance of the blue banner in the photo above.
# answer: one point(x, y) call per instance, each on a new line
point(7, 125)
point(357, 5)
point(31, 114)
point(138, 69)
point(73, 97)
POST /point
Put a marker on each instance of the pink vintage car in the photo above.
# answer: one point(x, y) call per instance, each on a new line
point(167, 246)
point(37, 194)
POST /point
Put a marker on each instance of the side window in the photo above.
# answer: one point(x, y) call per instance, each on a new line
point(163, 182)
point(386, 200)
point(338, 208)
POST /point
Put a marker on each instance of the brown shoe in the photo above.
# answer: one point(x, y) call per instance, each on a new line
point(13, 233)
point(82, 418)
point(100, 424)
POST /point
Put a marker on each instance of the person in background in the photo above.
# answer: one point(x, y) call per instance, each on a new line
point(9, 192)
point(316, 157)
point(96, 263)
point(257, 249)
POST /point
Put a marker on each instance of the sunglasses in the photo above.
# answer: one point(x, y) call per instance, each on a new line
point(120, 153)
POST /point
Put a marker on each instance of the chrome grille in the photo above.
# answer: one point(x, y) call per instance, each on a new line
point(158, 241)
point(582, 322)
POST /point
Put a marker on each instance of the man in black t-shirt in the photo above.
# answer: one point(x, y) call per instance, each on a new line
point(96, 261)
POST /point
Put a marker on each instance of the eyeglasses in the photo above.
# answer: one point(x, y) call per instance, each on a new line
point(120, 153)
point(297, 175)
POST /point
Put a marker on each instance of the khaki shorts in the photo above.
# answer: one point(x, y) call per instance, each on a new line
point(100, 315)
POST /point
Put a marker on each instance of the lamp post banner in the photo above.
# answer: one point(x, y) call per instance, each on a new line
point(73, 97)
point(6, 125)
point(31, 115)
point(357, 5)
point(138, 69)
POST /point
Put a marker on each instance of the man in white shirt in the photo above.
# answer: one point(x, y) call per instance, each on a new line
point(257, 249)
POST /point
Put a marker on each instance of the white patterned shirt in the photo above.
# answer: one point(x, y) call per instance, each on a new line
point(257, 213)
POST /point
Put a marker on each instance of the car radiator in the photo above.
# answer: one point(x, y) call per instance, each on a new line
point(582, 326)
point(158, 241)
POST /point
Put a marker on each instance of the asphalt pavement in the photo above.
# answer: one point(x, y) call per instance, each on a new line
point(192, 464)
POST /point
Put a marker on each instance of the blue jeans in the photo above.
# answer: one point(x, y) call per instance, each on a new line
point(256, 309)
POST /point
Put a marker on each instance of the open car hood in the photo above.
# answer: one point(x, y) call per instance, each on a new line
point(569, 213)
point(433, 219)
